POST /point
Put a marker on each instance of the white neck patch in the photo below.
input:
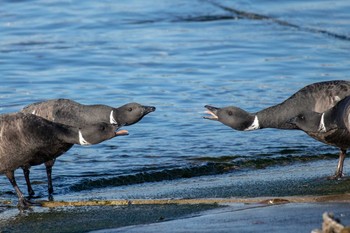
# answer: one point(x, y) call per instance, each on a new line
point(112, 120)
point(337, 98)
point(82, 140)
point(255, 125)
point(322, 127)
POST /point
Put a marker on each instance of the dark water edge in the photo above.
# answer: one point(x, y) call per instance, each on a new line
point(84, 219)
point(211, 166)
point(200, 168)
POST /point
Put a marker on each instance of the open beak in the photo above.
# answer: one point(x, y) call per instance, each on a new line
point(212, 111)
point(122, 132)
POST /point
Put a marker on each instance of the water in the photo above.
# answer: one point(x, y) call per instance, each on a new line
point(177, 56)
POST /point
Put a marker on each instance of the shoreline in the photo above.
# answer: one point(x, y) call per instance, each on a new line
point(270, 199)
point(197, 201)
point(290, 214)
point(192, 201)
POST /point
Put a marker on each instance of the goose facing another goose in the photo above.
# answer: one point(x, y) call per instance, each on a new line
point(316, 98)
point(69, 112)
point(28, 140)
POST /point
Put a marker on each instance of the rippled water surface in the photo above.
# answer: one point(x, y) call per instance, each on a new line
point(177, 56)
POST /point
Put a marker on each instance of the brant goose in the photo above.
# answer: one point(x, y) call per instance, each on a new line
point(28, 140)
point(69, 112)
point(316, 97)
point(331, 127)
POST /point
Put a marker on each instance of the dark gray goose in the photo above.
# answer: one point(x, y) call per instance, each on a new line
point(28, 140)
point(317, 97)
point(331, 127)
point(69, 112)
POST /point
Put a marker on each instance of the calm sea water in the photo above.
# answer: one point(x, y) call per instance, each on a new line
point(177, 56)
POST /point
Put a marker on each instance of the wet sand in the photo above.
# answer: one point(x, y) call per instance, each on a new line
point(292, 217)
point(84, 219)
point(278, 214)
point(289, 199)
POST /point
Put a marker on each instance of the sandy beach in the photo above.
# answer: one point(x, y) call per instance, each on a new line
point(283, 214)
point(273, 199)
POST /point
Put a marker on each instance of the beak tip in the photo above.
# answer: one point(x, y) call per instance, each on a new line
point(122, 133)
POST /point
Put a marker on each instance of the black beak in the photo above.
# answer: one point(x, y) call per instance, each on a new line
point(211, 108)
point(148, 109)
point(213, 111)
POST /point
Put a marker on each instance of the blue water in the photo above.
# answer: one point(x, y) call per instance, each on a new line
point(177, 56)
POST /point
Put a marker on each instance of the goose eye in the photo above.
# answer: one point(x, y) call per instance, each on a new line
point(129, 109)
point(230, 113)
point(103, 128)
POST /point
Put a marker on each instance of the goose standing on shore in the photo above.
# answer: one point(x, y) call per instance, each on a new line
point(28, 140)
point(317, 97)
point(69, 112)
